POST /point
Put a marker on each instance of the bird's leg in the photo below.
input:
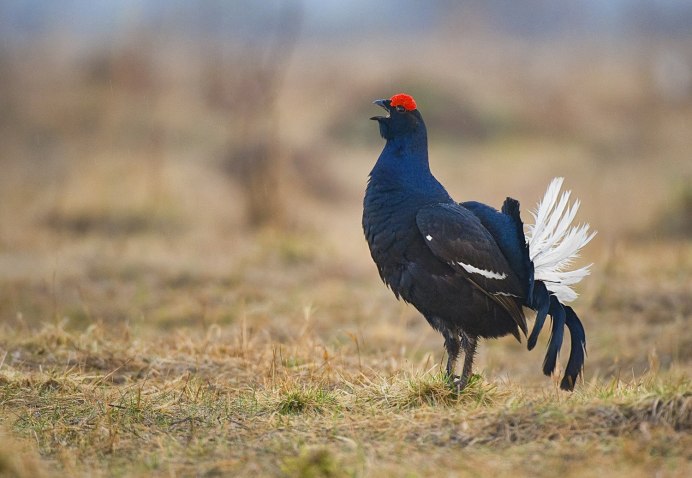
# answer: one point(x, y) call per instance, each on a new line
point(452, 345)
point(469, 344)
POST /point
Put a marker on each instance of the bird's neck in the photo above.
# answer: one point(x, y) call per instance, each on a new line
point(404, 162)
point(404, 155)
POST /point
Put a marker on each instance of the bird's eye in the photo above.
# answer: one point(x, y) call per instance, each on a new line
point(400, 108)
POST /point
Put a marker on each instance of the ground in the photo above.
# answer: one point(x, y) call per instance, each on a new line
point(283, 359)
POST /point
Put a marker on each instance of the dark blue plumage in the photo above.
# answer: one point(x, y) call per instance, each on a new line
point(466, 267)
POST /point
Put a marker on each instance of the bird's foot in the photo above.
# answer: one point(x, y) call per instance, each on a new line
point(453, 379)
point(457, 382)
point(460, 383)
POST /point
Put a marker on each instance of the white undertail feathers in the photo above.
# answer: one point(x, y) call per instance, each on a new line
point(554, 243)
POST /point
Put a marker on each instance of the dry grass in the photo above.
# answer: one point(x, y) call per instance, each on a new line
point(97, 401)
point(279, 389)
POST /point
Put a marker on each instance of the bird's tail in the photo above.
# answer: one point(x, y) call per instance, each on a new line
point(553, 244)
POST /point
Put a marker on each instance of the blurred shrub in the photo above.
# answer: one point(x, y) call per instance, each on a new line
point(676, 219)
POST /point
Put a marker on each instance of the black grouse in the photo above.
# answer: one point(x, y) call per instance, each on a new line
point(467, 267)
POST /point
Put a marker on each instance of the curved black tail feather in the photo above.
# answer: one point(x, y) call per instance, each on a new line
point(575, 364)
point(557, 332)
point(540, 301)
point(562, 316)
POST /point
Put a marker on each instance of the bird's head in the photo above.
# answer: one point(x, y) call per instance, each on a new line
point(402, 116)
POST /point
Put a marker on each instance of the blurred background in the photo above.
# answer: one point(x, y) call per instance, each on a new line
point(169, 163)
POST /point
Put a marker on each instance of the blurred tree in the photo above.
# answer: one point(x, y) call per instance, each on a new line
point(245, 86)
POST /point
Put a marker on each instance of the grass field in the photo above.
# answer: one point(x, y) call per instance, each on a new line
point(345, 385)
point(147, 330)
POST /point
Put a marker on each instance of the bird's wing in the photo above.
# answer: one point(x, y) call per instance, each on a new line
point(457, 237)
point(507, 229)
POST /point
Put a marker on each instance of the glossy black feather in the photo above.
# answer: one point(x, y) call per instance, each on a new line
point(557, 331)
point(456, 236)
point(577, 353)
point(540, 302)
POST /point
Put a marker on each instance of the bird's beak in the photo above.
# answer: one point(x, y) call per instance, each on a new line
point(383, 103)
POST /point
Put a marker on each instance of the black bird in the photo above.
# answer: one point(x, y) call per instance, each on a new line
point(467, 267)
